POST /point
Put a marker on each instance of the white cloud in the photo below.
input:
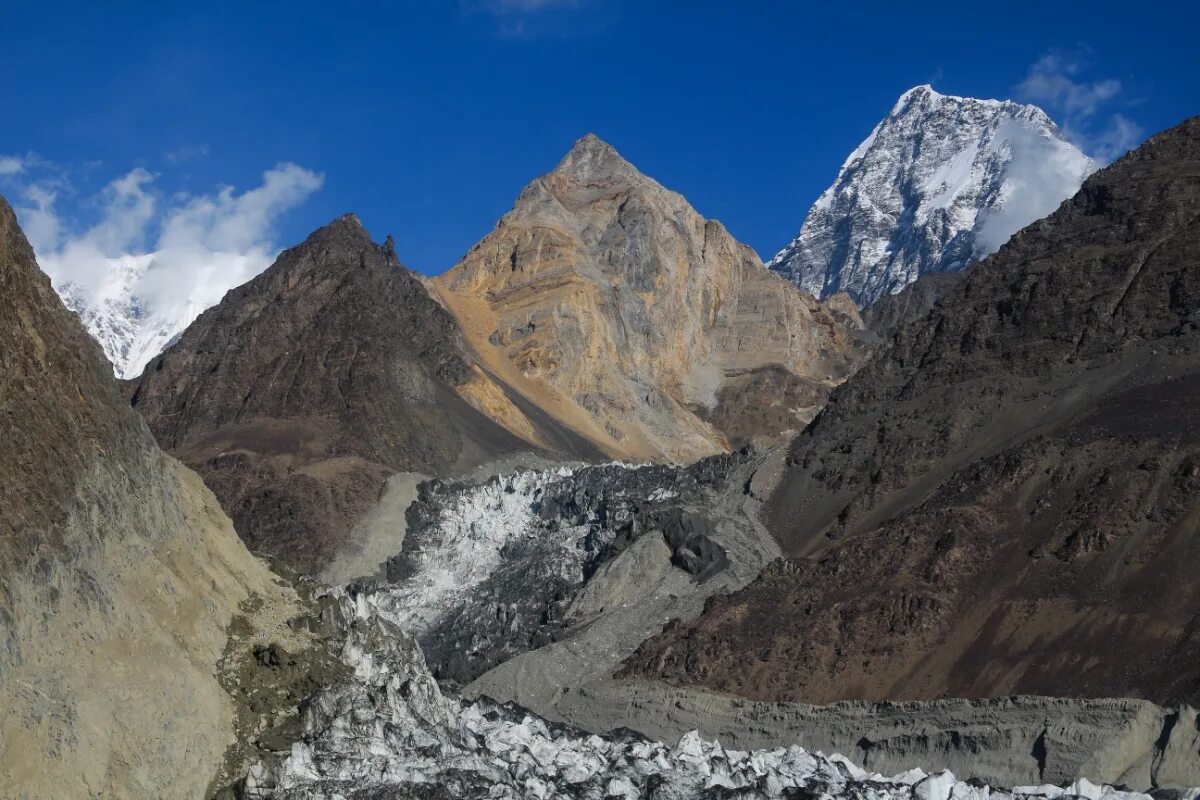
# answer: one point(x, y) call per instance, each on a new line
point(11, 165)
point(174, 256)
point(1056, 81)
point(39, 219)
point(1052, 80)
point(1117, 138)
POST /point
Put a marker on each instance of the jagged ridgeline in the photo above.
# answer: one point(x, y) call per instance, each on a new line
point(940, 183)
point(119, 573)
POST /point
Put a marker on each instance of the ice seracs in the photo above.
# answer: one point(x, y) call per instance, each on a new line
point(942, 181)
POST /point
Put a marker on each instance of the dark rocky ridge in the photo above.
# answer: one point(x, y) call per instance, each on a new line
point(299, 393)
point(1005, 499)
point(891, 312)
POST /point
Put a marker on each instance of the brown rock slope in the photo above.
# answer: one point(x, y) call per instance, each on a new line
point(304, 389)
point(607, 301)
point(1006, 499)
point(118, 572)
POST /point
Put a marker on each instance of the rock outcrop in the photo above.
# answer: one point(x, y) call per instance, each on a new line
point(1005, 498)
point(304, 389)
point(608, 302)
point(941, 182)
point(119, 573)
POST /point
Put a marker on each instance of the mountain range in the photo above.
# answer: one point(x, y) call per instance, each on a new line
point(940, 182)
point(604, 318)
point(611, 483)
point(1014, 474)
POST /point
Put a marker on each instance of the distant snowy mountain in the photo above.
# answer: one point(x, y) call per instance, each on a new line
point(122, 314)
point(940, 182)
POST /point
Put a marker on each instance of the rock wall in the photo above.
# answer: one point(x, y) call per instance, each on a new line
point(118, 573)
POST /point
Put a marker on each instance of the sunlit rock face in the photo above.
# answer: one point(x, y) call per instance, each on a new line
point(609, 302)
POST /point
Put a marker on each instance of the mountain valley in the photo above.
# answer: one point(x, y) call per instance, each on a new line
point(611, 509)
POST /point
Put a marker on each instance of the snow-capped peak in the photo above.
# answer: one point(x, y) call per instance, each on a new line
point(940, 182)
point(137, 305)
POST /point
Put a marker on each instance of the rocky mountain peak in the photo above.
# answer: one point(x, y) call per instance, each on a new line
point(345, 230)
point(923, 94)
point(942, 181)
point(592, 159)
point(610, 294)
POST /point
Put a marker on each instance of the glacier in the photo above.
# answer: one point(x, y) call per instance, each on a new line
point(389, 731)
point(388, 728)
point(940, 183)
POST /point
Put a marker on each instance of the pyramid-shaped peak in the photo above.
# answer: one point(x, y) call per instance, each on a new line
point(924, 90)
point(590, 143)
point(591, 157)
point(921, 97)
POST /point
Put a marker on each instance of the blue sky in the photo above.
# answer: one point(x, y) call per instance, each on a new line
point(427, 118)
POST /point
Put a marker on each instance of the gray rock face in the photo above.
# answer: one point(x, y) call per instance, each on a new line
point(118, 572)
point(1008, 741)
point(941, 182)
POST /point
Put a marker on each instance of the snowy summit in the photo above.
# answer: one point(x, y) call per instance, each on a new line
point(940, 182)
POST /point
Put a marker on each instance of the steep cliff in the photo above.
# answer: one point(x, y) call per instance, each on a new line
point(118, 573)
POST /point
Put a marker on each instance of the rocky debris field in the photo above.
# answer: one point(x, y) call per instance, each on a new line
point(388, 731)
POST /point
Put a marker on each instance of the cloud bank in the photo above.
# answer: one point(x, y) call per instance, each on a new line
point(151, 262)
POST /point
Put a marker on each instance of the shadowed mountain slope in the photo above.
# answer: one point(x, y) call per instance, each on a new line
point(1006, 498)
point(303, 390)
